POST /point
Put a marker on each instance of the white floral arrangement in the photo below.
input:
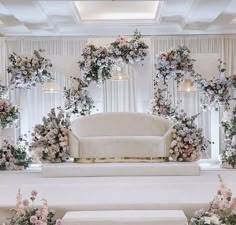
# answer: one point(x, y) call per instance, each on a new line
point(50, 139)
point(25, 213)
point(188, 140)
point(215, 92)
point(174, 64)
point(27, 72)
point(9, 114)
point(96, 64)
point(222, 210)
point(160, 105)
point(129, 52)
point(14, 156)
point(228, 157)
point(77, 99)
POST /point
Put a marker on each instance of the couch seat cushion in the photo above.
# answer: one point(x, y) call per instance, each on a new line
point(121, 146)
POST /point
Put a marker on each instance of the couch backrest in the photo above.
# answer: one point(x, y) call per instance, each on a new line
point(120, 124)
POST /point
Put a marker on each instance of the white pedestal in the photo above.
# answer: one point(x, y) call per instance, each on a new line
point(215, 135)
point(126, 217)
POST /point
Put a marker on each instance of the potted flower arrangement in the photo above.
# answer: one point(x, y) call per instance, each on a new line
point(77, 99)
point(50, 139)
point(160, 105)
point(96, 64)
point(222, 210)
point(188, 140)
point(9, 114)
point(28, 71)
point(228, 157)
point(25, 213)
point(14, 156)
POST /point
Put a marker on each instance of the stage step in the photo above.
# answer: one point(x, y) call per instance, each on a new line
point(126, 217)
point(120, 169)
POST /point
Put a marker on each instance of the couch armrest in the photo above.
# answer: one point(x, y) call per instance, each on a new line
point(74, 145)
point(168, 137)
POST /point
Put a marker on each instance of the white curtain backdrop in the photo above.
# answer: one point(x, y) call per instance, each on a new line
point(63, 51)
point(132, 95)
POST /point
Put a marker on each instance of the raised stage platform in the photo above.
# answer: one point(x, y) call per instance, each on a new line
point(187, 193)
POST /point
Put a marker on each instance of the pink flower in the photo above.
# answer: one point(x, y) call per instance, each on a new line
point(33, 219)
point(59, 222)
point(34, 193)
point(38, 222)
point(25, 203)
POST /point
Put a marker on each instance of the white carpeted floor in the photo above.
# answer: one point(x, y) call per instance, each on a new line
point(188, 193)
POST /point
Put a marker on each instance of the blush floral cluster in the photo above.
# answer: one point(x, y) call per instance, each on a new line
point(174, 64)
point(28, 71)
point(96, 64)
point(9, 114)
point(228, 156)
point(27, 214)
point(222, 210)
point(129, 52)
point(50, 139)
point(188, 140)
point(215, 92)
point(160, 105)
point(77, 99)
point(14, 156)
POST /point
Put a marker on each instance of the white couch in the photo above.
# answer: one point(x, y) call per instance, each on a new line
point(109, 137)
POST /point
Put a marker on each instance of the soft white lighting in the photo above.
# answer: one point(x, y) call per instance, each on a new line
point(50, 87)
point(119, 75)
point(117, 10)
point(187, 86)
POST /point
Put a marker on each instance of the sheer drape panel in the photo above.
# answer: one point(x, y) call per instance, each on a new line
point(120, 95)
point(34, 103)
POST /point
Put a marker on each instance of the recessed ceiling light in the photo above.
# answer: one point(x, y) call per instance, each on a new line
point(117, 10)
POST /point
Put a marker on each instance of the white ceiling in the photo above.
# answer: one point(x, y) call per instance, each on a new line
point(63, 18)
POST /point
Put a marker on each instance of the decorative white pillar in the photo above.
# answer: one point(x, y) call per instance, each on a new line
point(215, 134)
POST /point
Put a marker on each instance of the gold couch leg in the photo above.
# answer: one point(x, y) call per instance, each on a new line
point(123, 159)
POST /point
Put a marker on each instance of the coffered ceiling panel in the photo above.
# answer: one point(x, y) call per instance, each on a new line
point(52, 18)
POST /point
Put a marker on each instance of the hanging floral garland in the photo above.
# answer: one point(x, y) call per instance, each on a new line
point(96, 64)
point(188, 140)
point(28, 212)
point(14, 157)
point(9, 114)
point(50, 139)
point(27, 72)
point(161, 106)
point(214, 92)
point(174, 64)
point(228, 157)
point(77, 99)
point(129, 52)
point(221, 211)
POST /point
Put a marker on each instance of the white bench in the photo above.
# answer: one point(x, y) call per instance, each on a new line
point(126, 217)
